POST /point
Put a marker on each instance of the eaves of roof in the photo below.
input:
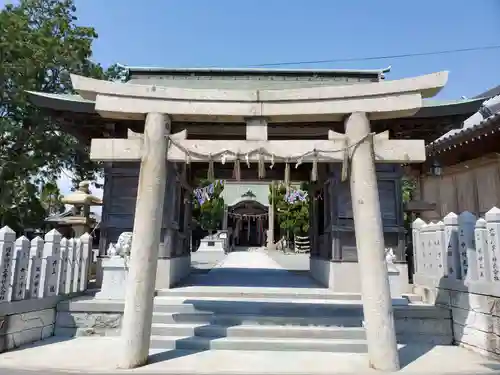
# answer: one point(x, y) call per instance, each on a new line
point(463, 135)
point(439, 108)
point(474, 123)
point(75, 103)
point(61, 102)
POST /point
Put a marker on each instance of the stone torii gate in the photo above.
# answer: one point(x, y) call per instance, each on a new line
point(359, 149)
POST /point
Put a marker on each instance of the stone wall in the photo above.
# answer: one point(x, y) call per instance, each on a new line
point(457, 267)
point(89, 317)
point(27, 321)
point(34, 276)
point(85, 316)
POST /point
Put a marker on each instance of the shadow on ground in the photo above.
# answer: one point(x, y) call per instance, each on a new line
point(254, 277)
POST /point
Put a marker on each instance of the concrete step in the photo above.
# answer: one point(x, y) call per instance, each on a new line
point(412, 298)
point(258, 331)
point(257, 292)
point(268, 306)
point(249, 319)
point(259, 344)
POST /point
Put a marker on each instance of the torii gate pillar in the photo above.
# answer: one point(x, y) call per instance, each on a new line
point(139, 297)
point(377, 302)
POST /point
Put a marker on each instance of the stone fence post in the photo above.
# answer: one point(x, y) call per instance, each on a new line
point(468, 258)
point(43, 268)
point(49, 278)
point(433, 249)
point(461, 247)
point(418, 246)
point(451, 242)
point(63, 266)
point(440, 249)
point(493, 227)
point(70, 264)
point(436, 247)
point(86, 248)
point(426, 242)
point(20, 264)
point(7, 239)
point(77, 265)
point(481, 242)
point(34, 268)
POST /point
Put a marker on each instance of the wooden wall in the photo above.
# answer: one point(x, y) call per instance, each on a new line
point(337, 234)
point(119, 198)
point(470, 186)
point(337, 226)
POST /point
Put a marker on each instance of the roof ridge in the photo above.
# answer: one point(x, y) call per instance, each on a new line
point(153, 69)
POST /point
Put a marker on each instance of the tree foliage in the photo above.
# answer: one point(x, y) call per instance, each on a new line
point(293, 218)
point(40, 45)
point(51, 199)
point(210, 213)
point(408, 187)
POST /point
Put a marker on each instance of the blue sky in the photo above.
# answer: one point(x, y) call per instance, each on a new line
point(229, 33)
point(241, 33)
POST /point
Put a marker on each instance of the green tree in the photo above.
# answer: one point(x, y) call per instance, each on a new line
point(40, 45)
point(293, 218)
point(51, 199)
point(210, 213)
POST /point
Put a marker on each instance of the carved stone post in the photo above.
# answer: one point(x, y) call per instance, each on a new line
point(138, 314)
point(377, 303)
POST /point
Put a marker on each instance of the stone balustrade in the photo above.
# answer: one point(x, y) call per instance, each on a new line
point(457, 265)
point(34, 277)
point(461, 248)
point(40, 268)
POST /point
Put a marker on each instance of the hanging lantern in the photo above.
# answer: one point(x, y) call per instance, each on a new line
point(436, 169)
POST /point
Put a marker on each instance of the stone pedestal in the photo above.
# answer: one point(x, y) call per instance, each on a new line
point(114, 278)
point(219, 242)
point(212, 245)
point(396, 287)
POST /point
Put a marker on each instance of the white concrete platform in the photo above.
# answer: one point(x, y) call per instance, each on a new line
point(255, 274)
point(100, 354)
point(254, 258)
point(251, 269)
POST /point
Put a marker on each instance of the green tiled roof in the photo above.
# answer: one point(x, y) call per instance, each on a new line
point(237, 192)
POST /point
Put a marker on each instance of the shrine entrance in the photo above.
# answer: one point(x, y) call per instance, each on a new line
point(248, 223)
point(165, 135)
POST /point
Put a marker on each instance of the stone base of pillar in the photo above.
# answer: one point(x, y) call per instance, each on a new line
point(171, 271)
point(114, 278)
point(270, 241)
point(344, 277)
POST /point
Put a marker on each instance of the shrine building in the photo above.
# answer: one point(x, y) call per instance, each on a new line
point(348, 132)
point(333, 253)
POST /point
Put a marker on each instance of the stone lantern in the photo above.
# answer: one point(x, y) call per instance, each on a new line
point(81, 199)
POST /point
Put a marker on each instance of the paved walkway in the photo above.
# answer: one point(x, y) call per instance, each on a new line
point(100, 355)
point(254, 268)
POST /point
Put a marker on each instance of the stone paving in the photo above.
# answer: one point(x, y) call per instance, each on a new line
point(99, 355)
point(254, 268)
